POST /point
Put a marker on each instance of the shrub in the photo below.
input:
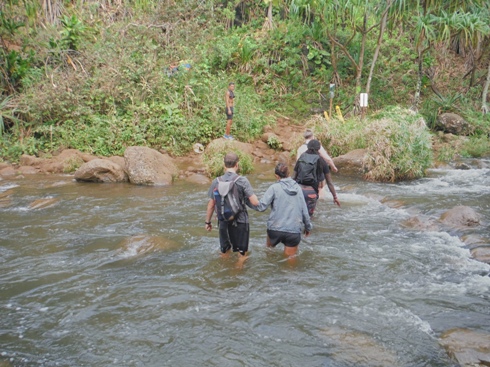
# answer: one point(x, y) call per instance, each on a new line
point(274, 143)
point(398, 142)
point(215, 153)
point(399, 147)
point(476, 146)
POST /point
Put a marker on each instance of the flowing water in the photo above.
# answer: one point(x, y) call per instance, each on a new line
point(122, 275)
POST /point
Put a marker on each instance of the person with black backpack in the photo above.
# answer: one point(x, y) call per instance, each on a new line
point(228, 197)
point(309, 171)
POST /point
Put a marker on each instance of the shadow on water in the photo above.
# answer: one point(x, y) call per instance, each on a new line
point(121, 275)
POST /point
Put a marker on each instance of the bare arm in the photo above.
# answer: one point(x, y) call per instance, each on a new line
point(323, 153)
point(328, 178)
point(209, 214)
point(253, 200)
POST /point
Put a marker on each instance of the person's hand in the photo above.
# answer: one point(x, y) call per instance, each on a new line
point(336, 201)
point(208, 226)
point(307, 233)
point(335, 169)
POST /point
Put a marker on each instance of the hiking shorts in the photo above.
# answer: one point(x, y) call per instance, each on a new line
point(311, 197)
point(287, 238)
point(233, 236)
point(229, 116)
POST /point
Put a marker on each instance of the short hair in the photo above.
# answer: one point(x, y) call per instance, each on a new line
point(282, 170)
point(314, 145)
point(231, 83)
point(231, 159)
point(308, 134)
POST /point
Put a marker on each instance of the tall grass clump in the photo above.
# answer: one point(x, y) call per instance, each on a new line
point(476, 146)
point(399, 146)
point(214, 155)
point(397, 141)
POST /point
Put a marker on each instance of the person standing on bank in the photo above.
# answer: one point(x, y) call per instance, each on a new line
point(229, 102)
point(233, 235)
point(309, 171)
point(289, 215)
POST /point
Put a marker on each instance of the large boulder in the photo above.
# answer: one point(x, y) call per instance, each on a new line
point(351, 163)
point(460, 216)
point(101, 170)
point(453, 123)
point(216, 144)
point(468, 347)
point(146, 166)
point(118, 160)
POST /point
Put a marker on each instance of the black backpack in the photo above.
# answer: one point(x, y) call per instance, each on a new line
point(227, 198)
point(307, 165)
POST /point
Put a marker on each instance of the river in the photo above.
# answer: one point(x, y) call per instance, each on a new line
point(123, 275)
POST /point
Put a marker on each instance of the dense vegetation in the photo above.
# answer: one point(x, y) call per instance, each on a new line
point(103, 75)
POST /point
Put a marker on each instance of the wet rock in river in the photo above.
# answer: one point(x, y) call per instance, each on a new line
point(481, 254)
point(474, 240)
point(351, 163)
point(101, 170)
point(27, 170)
point(461, 216)
point(354, 348)
point(146, 166)
point(198, 179)
point(468, 347)
point(8, 171)
point(43, 203)
point(141, 244)
point(420, 224)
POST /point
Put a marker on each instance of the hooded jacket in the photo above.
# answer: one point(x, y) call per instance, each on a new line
point(288, 208)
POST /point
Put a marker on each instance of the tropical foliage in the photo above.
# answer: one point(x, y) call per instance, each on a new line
point(102, 75)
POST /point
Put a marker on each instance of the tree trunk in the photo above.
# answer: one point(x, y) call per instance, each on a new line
point(360, 65)
point(269, 14)
point(378, 46)
point(484, 105)
point(333, 59)
point(418, 88)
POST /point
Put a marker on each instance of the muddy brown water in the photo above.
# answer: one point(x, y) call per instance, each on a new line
point(122, 275)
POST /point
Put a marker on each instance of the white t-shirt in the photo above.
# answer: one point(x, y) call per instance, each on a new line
point(322, 152)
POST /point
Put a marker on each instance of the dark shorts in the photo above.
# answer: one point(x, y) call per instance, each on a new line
point(228, 115)
point(234, 235)
point(311, 197)
point(288, 239)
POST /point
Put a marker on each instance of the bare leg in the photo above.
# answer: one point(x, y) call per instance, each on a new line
point(225, 255)
point(241, 260)
point(291, 252)
point(268, 242)
point(228, 126)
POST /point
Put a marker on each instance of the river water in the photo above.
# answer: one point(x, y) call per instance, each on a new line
point(122, 275)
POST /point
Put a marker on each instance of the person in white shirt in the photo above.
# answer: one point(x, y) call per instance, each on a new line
point(308, 135)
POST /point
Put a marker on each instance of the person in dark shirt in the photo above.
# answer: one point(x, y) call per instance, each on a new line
point(232, 235)
point(310, 182)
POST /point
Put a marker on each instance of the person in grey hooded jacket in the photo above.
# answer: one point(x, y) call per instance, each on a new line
point(289, 215)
